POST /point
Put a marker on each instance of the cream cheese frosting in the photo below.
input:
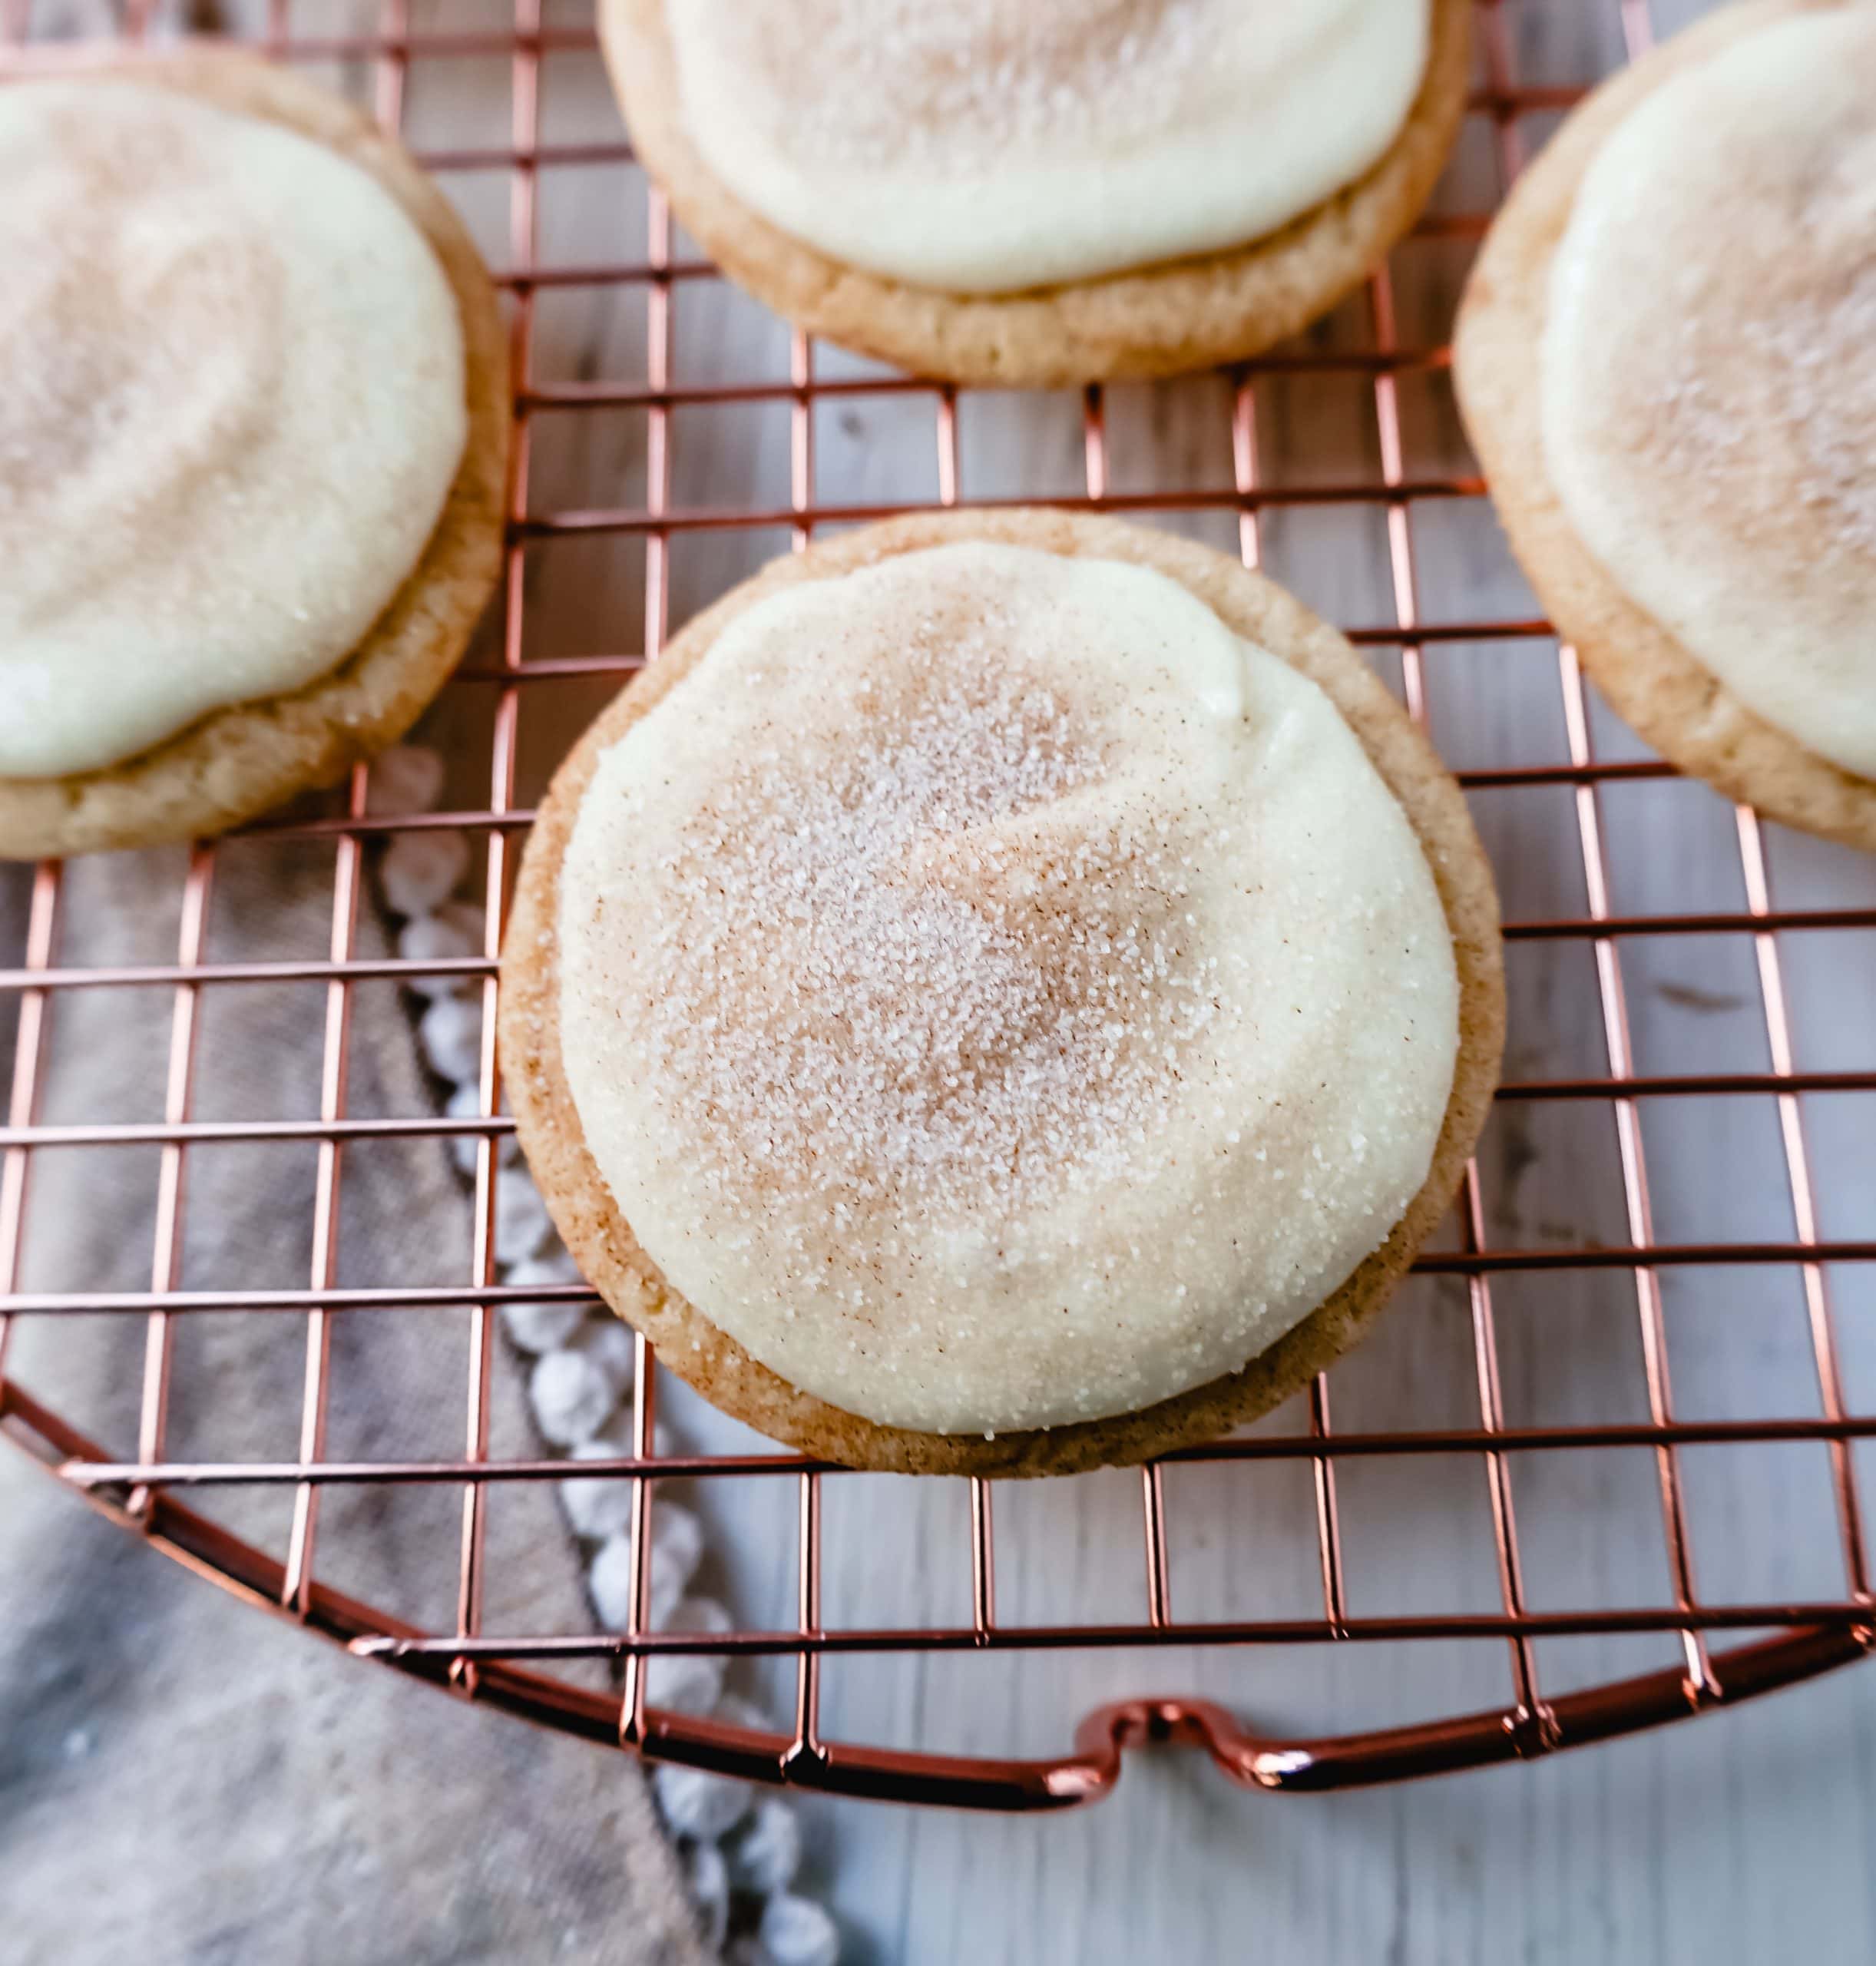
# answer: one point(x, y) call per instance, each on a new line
point(981, 146)
point(996, 994)
point(1709, 371)
point(231, 408)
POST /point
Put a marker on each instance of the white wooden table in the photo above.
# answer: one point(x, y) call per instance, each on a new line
point(1748, 1837)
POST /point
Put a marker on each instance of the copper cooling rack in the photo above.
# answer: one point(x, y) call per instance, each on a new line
point(1724, 1651)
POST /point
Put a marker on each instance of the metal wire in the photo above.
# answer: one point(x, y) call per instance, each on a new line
point(146, 1493)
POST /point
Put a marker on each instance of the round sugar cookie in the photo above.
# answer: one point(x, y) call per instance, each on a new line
point(953, 979)
point(214, 618)
point(1681, 461)
point(1184, 307)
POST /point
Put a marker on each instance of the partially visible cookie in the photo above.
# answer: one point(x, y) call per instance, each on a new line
point(1663, 363)
point(1000, 86)
point(959, 972)
point(253, 437)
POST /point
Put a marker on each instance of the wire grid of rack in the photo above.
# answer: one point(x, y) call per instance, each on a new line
point(518, 1672)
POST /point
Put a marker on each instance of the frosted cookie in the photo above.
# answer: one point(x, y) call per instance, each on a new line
point(1665, 362)
point(1059, 192)
point(1003, 993)
point(253, 417)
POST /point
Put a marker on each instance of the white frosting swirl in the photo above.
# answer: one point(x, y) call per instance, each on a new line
point(231, 408)
point(1709, 370)
point(979, 146)
point(998, 996)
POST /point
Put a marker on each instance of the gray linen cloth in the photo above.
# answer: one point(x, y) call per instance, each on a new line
point(184, 1781)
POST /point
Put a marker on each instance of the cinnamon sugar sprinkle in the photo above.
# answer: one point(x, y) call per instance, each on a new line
point(1802, 366)
point(899, 972)
point(873, 83)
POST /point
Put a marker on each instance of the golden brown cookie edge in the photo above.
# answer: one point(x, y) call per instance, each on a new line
point(707, 1358)
point(239, 761)
point(1652, 680)
point(1160, 320)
